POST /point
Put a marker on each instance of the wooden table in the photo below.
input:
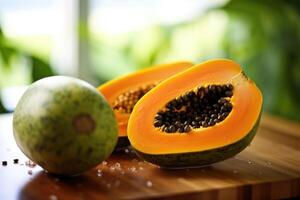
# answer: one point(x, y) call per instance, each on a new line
point(269, 168)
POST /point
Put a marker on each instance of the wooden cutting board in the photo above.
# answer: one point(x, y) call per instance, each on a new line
point(269, 168)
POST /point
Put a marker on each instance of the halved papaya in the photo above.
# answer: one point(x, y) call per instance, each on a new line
point(123, 93)
point(203, 115)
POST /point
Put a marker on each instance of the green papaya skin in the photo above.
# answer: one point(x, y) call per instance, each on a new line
point(200, 159)
point(64, 125)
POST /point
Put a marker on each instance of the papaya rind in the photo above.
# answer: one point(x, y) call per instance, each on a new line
point(200, 159)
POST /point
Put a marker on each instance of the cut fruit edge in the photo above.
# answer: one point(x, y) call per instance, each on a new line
point(112, 89)
point(246, 100)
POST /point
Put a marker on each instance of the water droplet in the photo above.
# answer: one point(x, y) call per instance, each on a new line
point(30, 164)
point(250, 162)
point(99, 174)
point(126, 150)
point(141, 168)
point(118, 166)
point(52, 197)
point(149, 183)
point(132, 169)
point(112, 168)
point(104, 163)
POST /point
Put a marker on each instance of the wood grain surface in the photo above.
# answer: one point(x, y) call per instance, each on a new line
point(268, 169)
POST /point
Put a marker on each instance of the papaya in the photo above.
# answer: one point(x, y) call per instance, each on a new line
point(123, 93)
point(205, 114)
point(64, 125)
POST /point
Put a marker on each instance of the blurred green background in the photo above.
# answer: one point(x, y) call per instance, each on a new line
point(104, 39)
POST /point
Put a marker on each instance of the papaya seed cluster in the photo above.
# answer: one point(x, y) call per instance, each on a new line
point(203, 107)
point(127, 100)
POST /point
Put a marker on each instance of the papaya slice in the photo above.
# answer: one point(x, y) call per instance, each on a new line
point(123, 93)
point(200, 116)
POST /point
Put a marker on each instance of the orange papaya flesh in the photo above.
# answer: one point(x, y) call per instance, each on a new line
point(200, 145)
point(123, 93)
